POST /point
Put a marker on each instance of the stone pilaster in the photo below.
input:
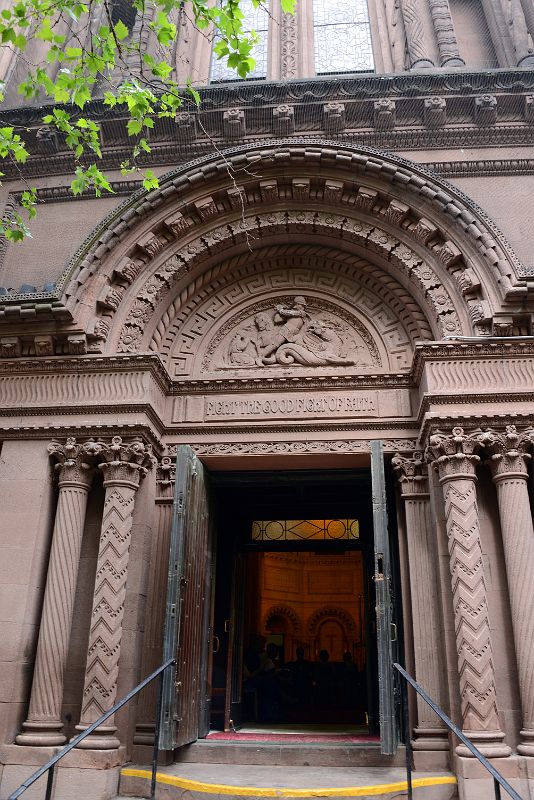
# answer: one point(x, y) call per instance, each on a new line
point(508, 457)
point(157, 598)
point(449, 54)
point(412, 473)
point(418, 27)
point(455, 456)
point(123, 467)
point(75, 467)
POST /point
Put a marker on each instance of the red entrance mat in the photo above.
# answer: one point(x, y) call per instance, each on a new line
point(293, 738)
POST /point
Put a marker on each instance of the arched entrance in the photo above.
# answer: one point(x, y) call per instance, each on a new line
point(288, 301)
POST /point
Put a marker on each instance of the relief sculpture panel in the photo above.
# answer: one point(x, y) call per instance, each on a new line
point(292, 331)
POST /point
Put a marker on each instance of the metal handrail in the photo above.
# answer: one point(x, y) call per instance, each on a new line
point(50, 765)
point(498, 779)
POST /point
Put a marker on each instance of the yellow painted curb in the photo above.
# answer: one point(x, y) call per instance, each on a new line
point(256, 791)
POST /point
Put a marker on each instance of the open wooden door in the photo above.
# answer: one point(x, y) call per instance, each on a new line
point(384, 626)
point(187, 624)
point(233, 710)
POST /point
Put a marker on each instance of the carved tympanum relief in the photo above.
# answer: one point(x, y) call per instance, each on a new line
point(292, 331)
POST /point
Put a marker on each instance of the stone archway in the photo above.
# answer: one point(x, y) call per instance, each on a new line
point(162, 251)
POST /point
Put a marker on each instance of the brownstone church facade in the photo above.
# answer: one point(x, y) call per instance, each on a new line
point(333, 282)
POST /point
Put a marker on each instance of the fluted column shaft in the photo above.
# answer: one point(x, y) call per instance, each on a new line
point(122, 469)
point(508, 463)
point(412, 473)
point(455, 458)
point(449, 54)
point(418, 27)
point(44, 723)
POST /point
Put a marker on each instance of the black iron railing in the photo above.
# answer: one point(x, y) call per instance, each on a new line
point(498, 779)
point(50, 765)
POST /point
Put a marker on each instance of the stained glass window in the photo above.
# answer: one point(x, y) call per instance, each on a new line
point(255, 19)
point(342, 36)
point(287, 530)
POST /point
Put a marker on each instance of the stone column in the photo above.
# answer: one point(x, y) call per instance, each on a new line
point(528, 11)
point(508, 463)
point(455, 457)
point(123, 466)
point(418, 33)
point(412, 473)
point(449, 54)
point(44, 723)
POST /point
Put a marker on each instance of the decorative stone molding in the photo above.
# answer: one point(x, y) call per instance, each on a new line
point(123, 466)
point(509, 453)
point(75, 467)
point(447, 203)
point(234, 123)
point(384, 114)
point(334, 117)
point(283, 120)
point(283, 611)
point(412, 474)
point(289, 47)
point(295, 447)
point(486, 109)
point(455, 456)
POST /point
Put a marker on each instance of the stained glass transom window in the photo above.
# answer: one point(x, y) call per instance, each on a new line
point(288, 530)
point(342, 36)
point(255, 19)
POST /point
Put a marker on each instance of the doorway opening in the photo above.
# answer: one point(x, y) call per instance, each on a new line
point(294, 629)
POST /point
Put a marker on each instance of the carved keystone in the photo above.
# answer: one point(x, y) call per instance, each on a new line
point(486, 109)
point(234, 123)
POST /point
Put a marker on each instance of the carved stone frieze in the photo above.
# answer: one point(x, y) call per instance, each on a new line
point(295, 447)
point(294, 332)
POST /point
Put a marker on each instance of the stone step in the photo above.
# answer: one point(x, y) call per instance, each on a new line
point(206, 751)
point(254, 782)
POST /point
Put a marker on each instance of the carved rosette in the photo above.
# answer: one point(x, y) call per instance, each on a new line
point(508, 458)
point(75, 467)
point(412, 474)
point(455, 456)
point(123, 467)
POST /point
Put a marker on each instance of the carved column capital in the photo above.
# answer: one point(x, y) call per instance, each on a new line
point(75, 462)
point(125, 463)
point(412, 474)
point(454, 455)
point(508, 452)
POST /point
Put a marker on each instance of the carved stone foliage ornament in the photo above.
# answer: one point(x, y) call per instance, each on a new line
point(292, 331)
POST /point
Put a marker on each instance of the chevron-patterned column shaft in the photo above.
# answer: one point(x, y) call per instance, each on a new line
point(473, 639)
point(44, 723)
point(418, 33)
point(102, 666)
point(455, 456)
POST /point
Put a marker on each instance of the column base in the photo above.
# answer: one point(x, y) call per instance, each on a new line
point(41, 734)
point(453, 63)
point(527, 62)
point(526, 747)
point(430, 739)
point(144, 733)
point(490, 743)
point(101, 739)
point(423, 63)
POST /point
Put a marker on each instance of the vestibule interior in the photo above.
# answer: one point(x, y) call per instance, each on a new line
point(293, 618)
